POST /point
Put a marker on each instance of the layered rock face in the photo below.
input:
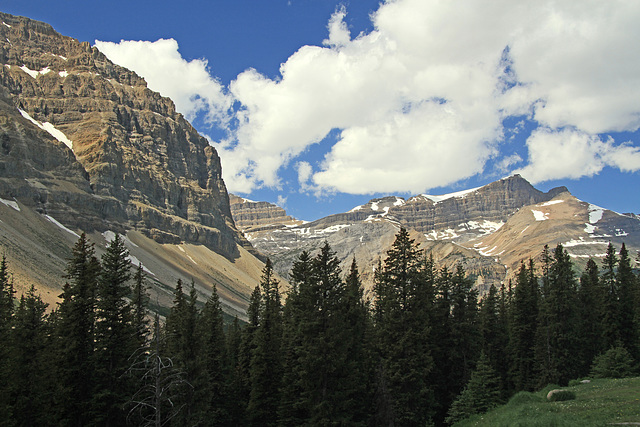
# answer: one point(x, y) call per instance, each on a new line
point(130, 161)
point(488, 230)
point(250, 216)
point(85, 146)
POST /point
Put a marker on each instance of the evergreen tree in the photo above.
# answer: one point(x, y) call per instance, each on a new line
point(295, 404)
point(480, 394)
point(29, 379)
point(6, 321)
point(402, 311)
point(627, 308)
point(182, 348)
point(465, 332)
point(591, 299)
point(326, 323)
point(212, 387)
point(495, 335)
point(76, 336)
point(523, 316)
point(139, 302)
point(266, 360)
point(246, 349)
point(115, 335)
point(611, 316)
point(559, 323)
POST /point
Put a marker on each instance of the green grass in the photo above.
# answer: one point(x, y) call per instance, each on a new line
point(602, 402)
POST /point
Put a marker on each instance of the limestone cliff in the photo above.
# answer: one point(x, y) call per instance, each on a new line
point(85, 142)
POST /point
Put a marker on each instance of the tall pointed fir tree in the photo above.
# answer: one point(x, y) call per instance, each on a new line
point(329, 370)
point(591, 299)
point(559, 323)
point(266, 361)
point(465, 331)
point(31, 403)
point(402, 311)
point(212, 386)
point(76, 337)
point(246, 349)
point(295, 403)
point(181, 348)
point(495, 335)
point(611, 316)
point(523, 317)
point(480, 394)
point(627, 308)
point(139, 303)
point(6, 319)
point(116, 336)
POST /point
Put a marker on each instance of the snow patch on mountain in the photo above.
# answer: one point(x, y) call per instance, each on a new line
point(595, 213)
point(46, 126)
point(11, 203)
point(551, 202)
point(34, 73)
point(54, 221)
point(539, 215)
point(457, 194)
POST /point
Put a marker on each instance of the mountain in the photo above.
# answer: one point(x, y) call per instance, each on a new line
point(85, 146)
point(489, 229)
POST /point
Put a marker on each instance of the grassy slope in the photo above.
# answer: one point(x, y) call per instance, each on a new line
point(599, 403)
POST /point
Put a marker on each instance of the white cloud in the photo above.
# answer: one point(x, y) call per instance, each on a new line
point(419, 101)
point(304, 173)
point(571, 153)
point(187, 83)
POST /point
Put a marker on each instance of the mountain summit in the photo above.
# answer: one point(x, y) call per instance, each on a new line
point(489, 229)
point(86, 144)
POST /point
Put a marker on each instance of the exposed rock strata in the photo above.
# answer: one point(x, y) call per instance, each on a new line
point(135, 164)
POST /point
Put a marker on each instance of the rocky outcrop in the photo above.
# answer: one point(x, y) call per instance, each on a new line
point(250, 216)
point(488, 230)
point(130, 160)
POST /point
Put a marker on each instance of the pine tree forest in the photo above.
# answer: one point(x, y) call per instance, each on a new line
point(423, 349)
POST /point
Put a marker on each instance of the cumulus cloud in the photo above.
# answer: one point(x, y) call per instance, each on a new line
point(570, 153)
point(419, 102)
point(188, 83)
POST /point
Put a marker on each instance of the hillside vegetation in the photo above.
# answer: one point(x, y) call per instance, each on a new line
point(598, 403)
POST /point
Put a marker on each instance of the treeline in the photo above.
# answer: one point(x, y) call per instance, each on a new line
point(425, 350)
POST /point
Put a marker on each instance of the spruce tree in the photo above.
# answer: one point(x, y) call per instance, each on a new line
point(76, 337)
point(295, 405)
point(480, 394)
point(465, 331)
point(402, 314)
point(266, 361)
point(494, 332)
point(30, 379)
point(6, 321)
point(611, 316)
point(182, 348)
point(559, 324)
point(139, 303)
point(524, 319)
point(246, 348)
point(212, 386)
point(116, 336)
point(591, 299)
point(627, 308)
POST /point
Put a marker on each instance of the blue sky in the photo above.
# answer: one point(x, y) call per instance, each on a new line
point(319, 105)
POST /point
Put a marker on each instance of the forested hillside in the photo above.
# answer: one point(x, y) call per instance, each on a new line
point(424, 350)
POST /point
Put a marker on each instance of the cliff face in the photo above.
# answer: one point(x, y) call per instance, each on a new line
point(85, 146)
point(250, 216)
point(130, 162)
point(488, 230)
